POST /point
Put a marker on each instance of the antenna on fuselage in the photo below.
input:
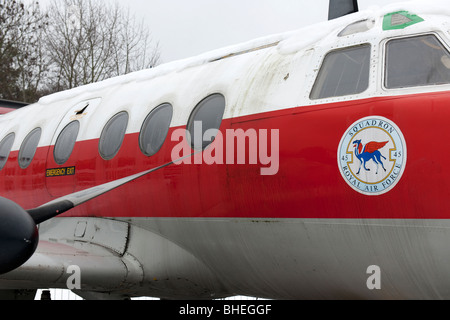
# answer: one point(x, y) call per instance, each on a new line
point(340, 8)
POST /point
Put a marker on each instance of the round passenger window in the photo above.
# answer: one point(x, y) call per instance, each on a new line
point(28, 148)
point(207, 115)
point(155, 128)
point(65, 142)
point(112, 135)
point(5, 149)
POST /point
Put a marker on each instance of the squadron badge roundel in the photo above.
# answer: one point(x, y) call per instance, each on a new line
point(372, 155)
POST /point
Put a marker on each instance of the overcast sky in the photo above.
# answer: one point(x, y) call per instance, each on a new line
point(185, 28)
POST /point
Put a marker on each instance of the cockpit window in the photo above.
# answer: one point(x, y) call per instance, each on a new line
point(416, 61)
point(343, 72)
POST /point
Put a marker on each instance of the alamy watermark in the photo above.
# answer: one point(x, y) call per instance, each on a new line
point(74, 280)
point(262, 145)
point(374, 280)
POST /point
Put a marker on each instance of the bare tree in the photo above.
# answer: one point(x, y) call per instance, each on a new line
point(136, 51)
point(32, 61)
point(89, 41)
point(22, 61)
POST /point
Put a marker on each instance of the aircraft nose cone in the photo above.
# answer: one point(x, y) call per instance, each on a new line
point(18, 236)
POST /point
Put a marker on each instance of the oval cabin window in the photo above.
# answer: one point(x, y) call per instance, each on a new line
point(206, 118)
point(112, 136)
point(65, 143)
point(28, 148)
point(5, 149)
point(155, 128)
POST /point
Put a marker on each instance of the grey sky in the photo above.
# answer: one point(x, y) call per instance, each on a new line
point(186, 28)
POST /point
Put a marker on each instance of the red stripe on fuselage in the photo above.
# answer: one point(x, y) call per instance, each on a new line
point(308, 183)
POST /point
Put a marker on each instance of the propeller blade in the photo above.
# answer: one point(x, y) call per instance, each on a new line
point(58, 206)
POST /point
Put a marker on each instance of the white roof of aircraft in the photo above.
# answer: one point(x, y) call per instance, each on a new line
point(286, 43)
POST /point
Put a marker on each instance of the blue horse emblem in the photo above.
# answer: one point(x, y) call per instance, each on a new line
point(368, 152)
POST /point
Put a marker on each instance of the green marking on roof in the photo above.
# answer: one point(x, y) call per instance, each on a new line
point(400, 20)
